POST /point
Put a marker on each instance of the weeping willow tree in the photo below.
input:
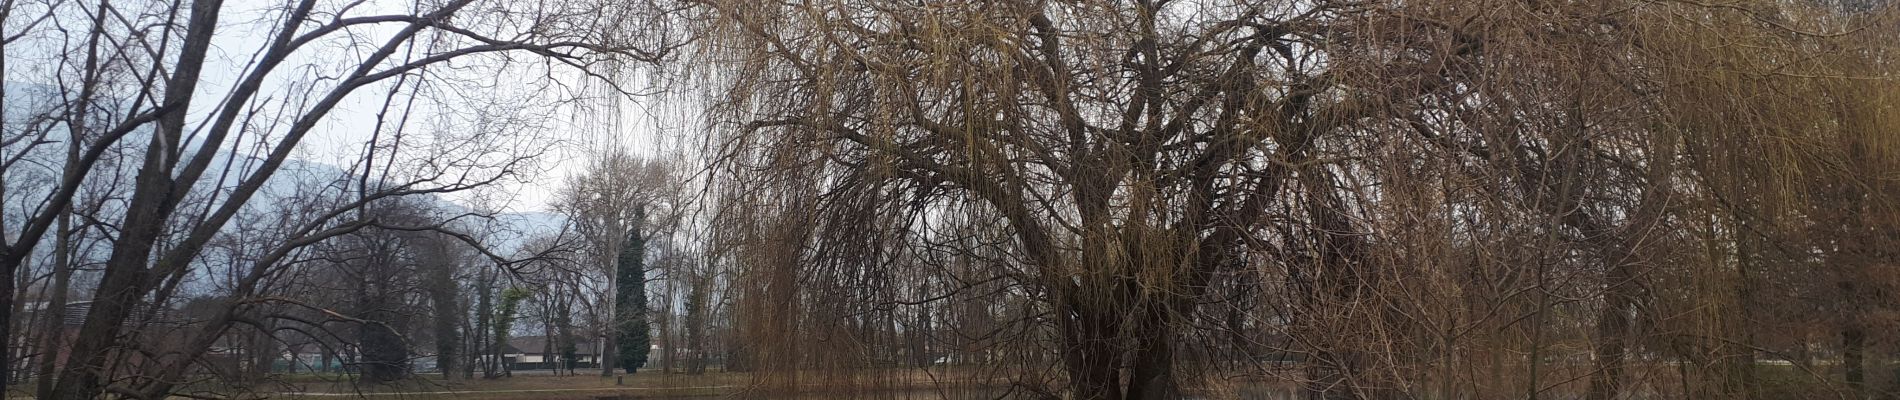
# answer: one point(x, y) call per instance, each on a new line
point(1791, 148)
point(1128, 154)
point(1101, 200)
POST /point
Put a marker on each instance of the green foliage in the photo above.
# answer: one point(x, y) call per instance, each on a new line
point(505, 312)
point(630, 305)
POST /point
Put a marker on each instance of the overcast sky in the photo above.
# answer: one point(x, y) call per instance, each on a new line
point(648, 126)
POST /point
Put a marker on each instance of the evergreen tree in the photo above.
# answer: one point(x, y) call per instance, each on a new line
point(631, 304)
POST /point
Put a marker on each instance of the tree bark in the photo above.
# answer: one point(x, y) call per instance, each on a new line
point(608, 353)
point(484, 308)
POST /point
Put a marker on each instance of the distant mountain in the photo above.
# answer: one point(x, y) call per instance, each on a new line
point(518, 228)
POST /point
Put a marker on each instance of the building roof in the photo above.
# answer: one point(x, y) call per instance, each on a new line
point(536, 344)
point(75, 313)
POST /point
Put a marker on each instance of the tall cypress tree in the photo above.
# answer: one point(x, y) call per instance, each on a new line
point(630, 304)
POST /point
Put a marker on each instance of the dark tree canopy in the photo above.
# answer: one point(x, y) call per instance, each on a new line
point(635, 335)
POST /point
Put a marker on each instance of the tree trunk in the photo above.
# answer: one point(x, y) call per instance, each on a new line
point(124, 282)
point(564, 328)
point(447, 316)
point(919, 335)
point(56, 307)
point(608, 357)
point(1853, 343)
point(8, 265)
point(1152, 376)
point(484, 307)
point(7, 272)
point(384, 354)
point(1744, 366)
point(1613, 325)
point(1092, 354)
point(548, 355)
point(120, 289)
point(667, 343)
point(264, 353)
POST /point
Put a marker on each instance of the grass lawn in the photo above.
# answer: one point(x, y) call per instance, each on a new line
point(585, 386)
point(645, 385)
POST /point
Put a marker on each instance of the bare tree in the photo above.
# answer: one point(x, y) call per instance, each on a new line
point(130, 74)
